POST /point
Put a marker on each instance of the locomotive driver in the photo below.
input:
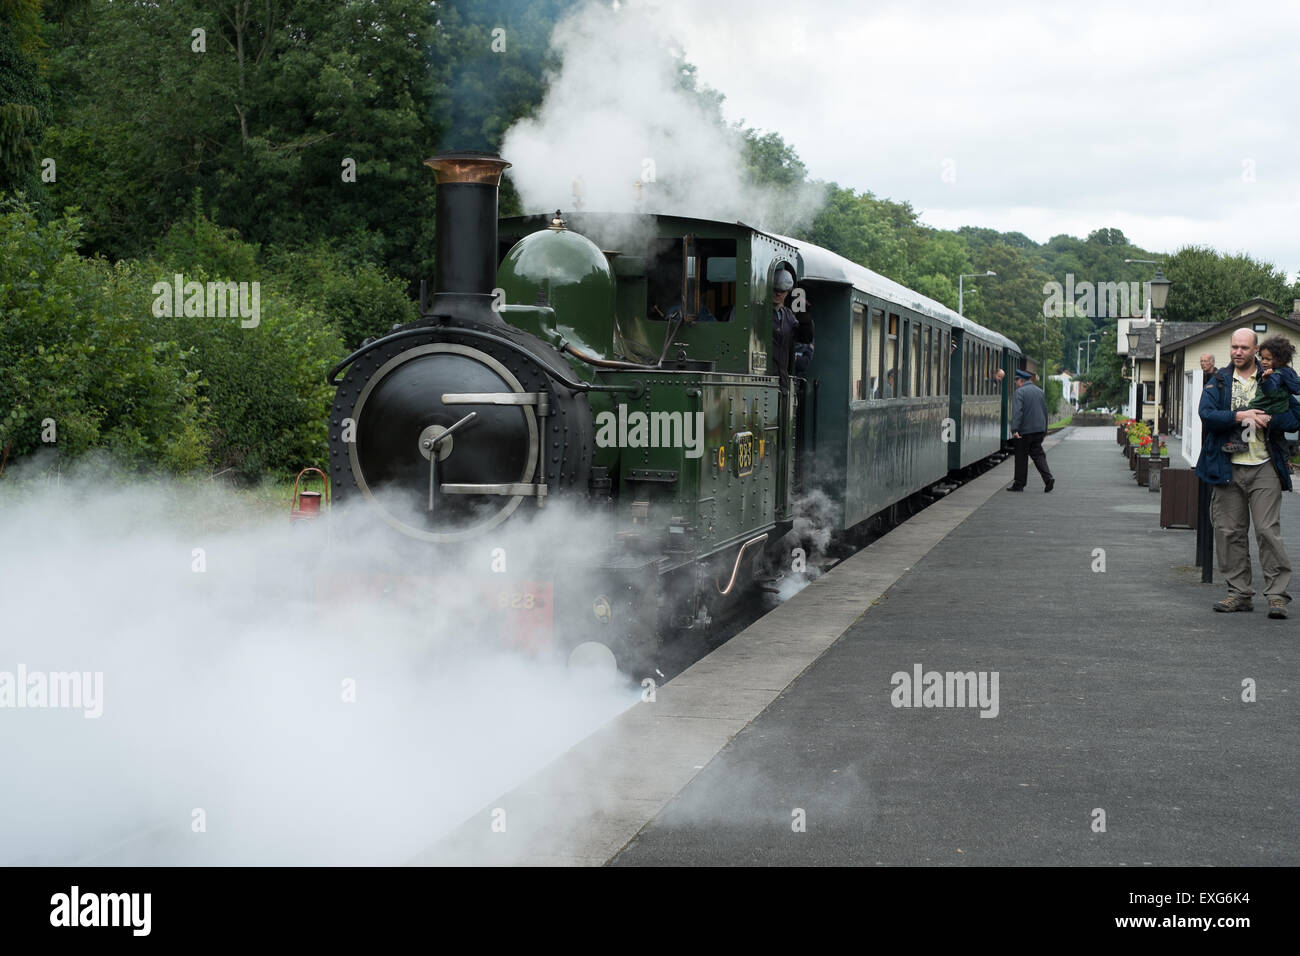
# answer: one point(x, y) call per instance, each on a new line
point(787, 328)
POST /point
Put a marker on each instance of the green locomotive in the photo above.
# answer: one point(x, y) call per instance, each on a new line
point(624, 364)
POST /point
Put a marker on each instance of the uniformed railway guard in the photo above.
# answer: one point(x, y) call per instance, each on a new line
point(1028, 426)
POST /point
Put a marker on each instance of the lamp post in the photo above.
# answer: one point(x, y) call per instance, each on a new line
point(961, 300)
point(1091, 339)
point(1157, 297)
point(1133, 337)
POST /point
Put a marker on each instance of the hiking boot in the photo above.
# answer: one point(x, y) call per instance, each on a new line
point(1277, 607)
point(1234, 602)
point(1016, 488)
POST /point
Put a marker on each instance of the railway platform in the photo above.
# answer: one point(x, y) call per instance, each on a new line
point(1004, 679)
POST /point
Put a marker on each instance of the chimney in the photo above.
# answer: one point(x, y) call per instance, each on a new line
point(468, 183)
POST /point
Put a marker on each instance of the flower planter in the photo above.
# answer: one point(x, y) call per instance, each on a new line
point(1121, 434)
point(1133, 457)
point(1142, 463)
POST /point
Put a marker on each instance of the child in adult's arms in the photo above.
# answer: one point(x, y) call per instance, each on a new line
point(1278, 381)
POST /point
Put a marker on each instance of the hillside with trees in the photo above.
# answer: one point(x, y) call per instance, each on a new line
point(280, 142)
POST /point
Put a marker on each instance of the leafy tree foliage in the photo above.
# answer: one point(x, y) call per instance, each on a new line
point(78, 350)
point(24, 97)
point(268, 120)
point(265, 384)
point(1207, 285)
point(234, 162)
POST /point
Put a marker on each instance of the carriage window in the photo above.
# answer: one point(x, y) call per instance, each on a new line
point(889, 387)
point(917, 362)
point(909, 359)
point(936, 363)
point(857, 385)
point(926, 379)
point(873, 365)
point(947, 363)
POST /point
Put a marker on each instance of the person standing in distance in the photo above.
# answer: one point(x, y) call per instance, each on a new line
point(1247, 485)
point(1028, 426)
point(1207, 366)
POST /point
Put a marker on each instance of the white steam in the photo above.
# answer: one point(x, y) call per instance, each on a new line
point(812, 531)
point(224, 689)
point(616, 114)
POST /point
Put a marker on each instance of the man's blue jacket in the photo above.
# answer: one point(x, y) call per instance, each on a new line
point(1219, 423)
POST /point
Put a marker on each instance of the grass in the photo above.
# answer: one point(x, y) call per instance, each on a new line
point(194, 504)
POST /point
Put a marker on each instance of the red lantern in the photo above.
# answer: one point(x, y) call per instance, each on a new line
point(307, 504)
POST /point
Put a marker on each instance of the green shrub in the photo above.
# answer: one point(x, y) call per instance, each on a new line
point(265, 383)
point(359, 299)
point(1053, 394)
point(78, 359)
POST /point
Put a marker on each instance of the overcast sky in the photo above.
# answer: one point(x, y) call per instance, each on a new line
point(1176, 123)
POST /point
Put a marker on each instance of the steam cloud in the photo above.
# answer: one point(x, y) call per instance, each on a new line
point(222, 689)
point(616, 114)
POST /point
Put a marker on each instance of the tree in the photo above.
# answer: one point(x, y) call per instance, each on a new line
point(24, 97)
point(861, 228)
point(1106, 386)
point(297, 119)
point(1207, 285)
point(1012, 303)
point(771, 161)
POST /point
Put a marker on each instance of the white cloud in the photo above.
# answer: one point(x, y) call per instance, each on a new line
point(1134, 116)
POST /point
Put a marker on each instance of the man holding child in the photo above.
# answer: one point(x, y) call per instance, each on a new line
point(1243, 455)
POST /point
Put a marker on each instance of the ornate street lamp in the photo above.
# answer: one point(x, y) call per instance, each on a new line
point(1158, 295)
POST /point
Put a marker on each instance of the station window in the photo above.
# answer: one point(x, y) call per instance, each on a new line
point(857, 383)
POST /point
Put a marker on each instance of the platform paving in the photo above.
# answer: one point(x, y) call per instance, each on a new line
point(1121, 736)
point(1120, 691)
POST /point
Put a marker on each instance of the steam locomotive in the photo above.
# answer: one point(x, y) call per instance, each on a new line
point(632, 376)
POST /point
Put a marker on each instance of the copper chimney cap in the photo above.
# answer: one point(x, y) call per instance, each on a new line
point(468, 167)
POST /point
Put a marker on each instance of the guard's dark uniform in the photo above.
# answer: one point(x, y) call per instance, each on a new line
point(1029, 418)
